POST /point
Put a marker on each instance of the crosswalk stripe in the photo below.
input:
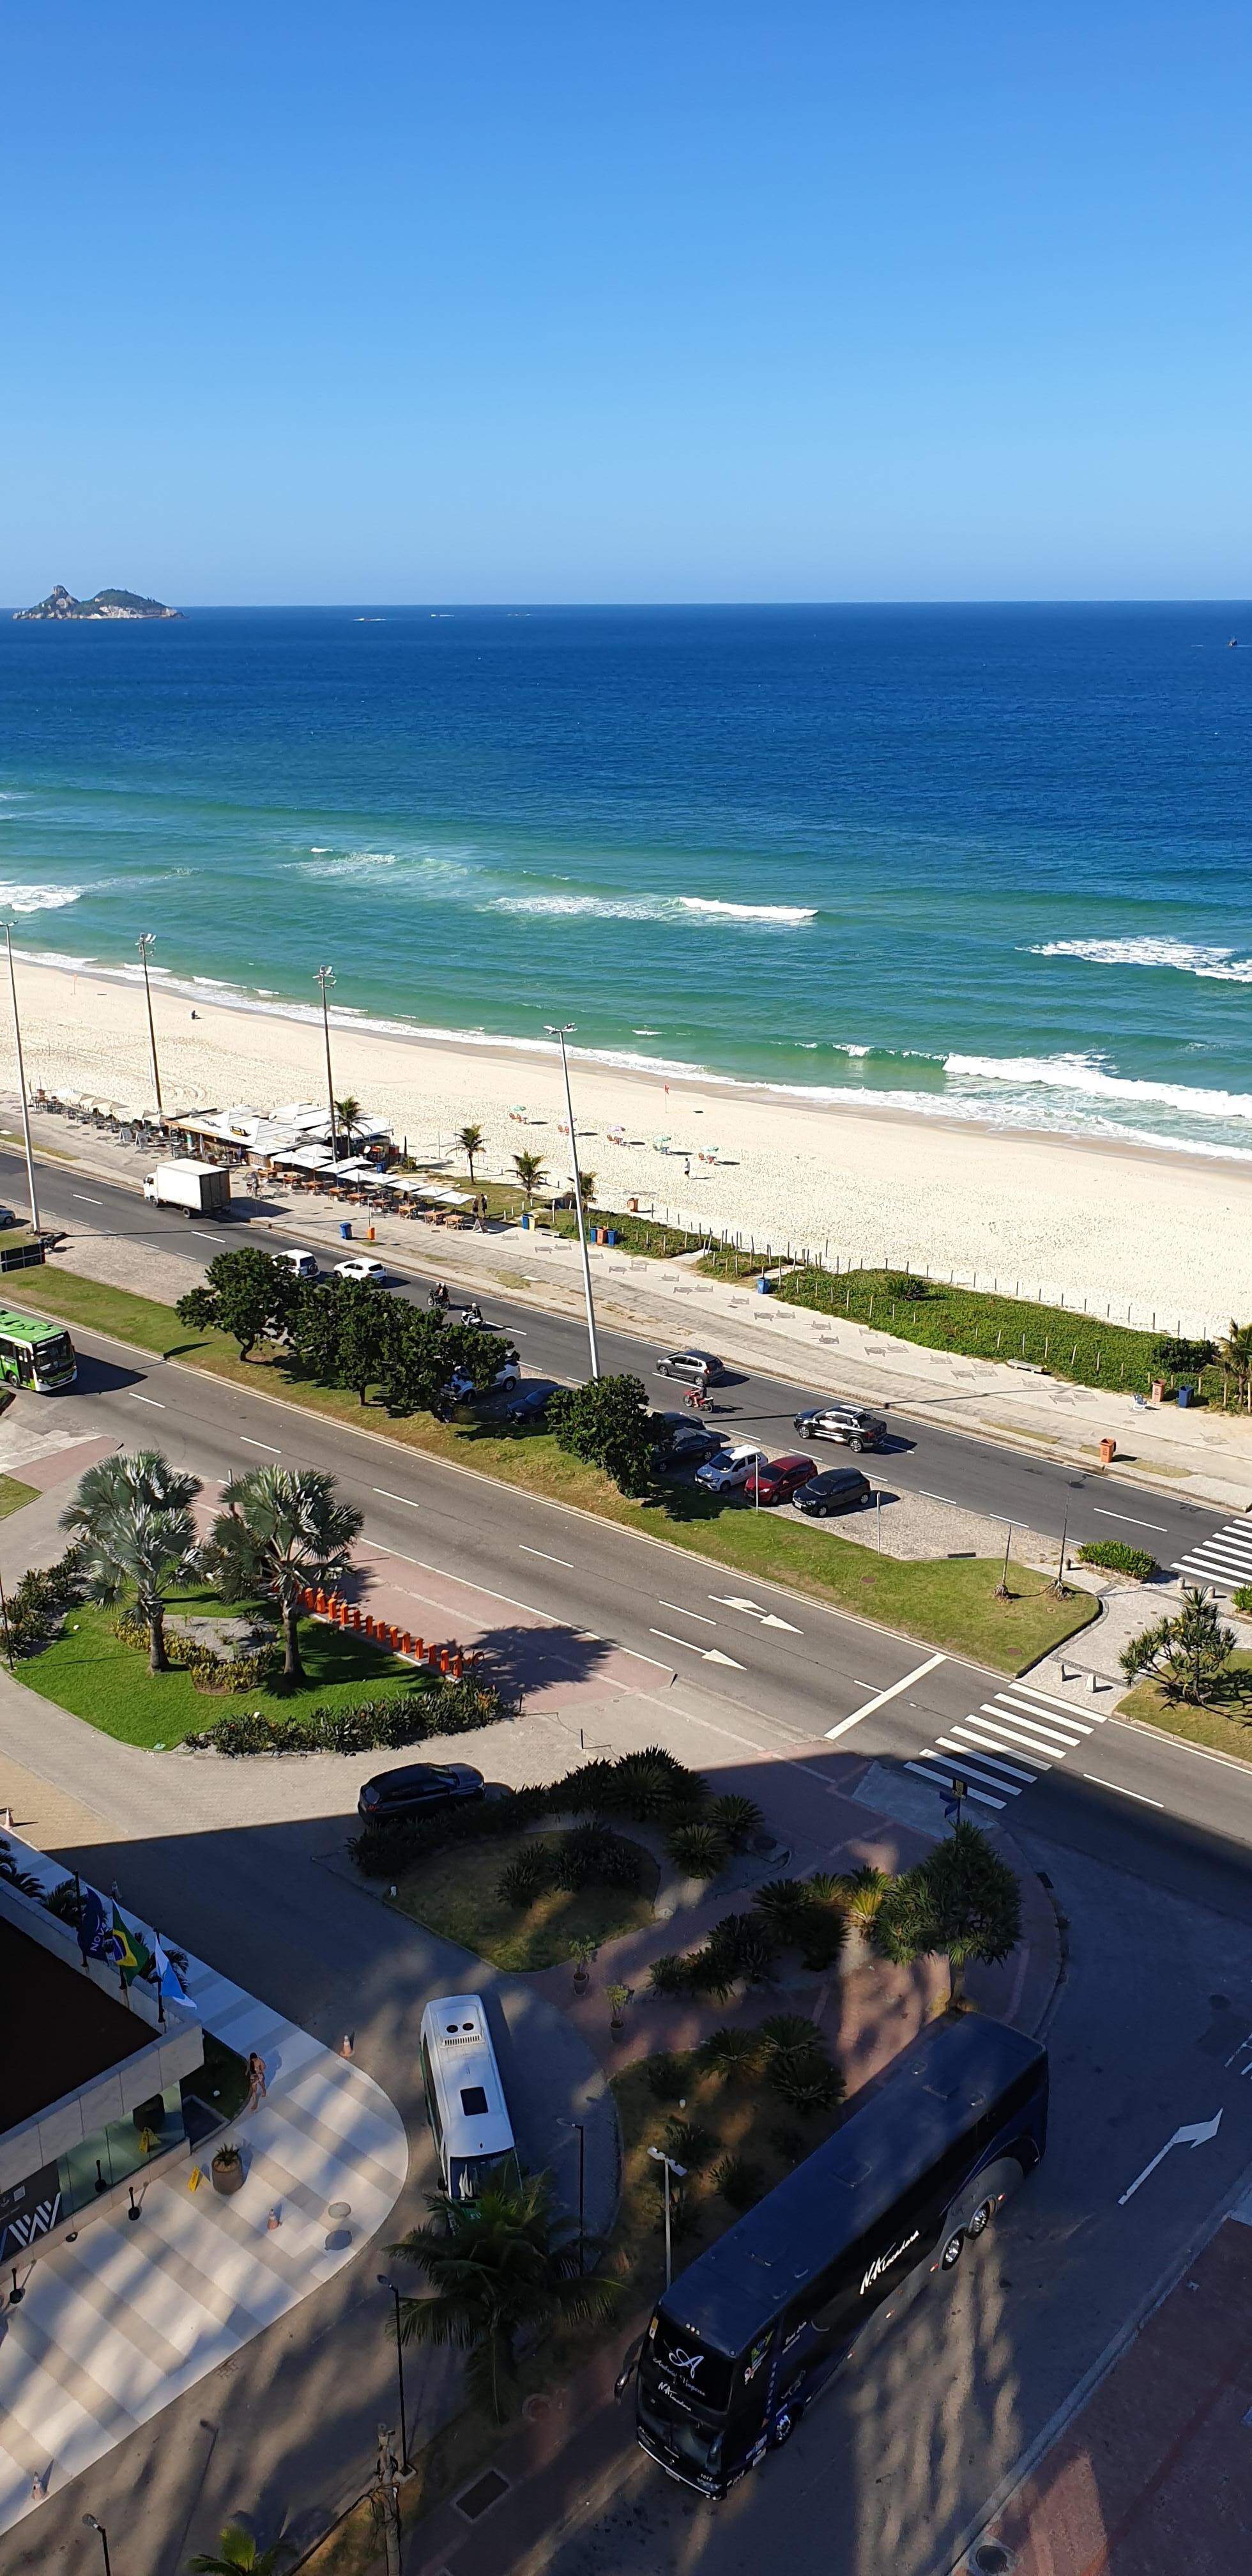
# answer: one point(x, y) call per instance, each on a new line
point(1225, 1557)
point(984, 1742)
point(1050, 1739)
point(1044, 1716)
point(989, 1773)
point(1049, 1700)
point(1015, 1740)
point(983, 1796)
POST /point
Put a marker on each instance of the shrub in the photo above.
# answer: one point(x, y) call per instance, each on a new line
point(1120, 1559)
point(961, 1901)
point(1184, 1359)
point(822, 1932)
point(1241, 1599)
point(739, 1945)
point(63, 1901)
point(862, 1891)
point(737, 1818)
point(607, 1422)
point(689, 2144)
point(807, 2081)
point(902, 1285)
point(407, 1717)
point(788, 2143)
point(592, 1856)
point(730, 2053)
point(667, 2078)
point(39, 1602)
point(670, 1975)
point(781, 1901)
point(1188, 1656)
point(700, 1850)
point(784, 2033)
point(209, 1671)
point(528, 1875)
point(740, 2182)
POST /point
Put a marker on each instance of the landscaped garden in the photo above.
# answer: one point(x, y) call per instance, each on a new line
point(505, 1899)
point(1189, 1677)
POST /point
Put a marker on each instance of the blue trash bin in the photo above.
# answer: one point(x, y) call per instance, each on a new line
point(764, 1287)
point(1184, 1395)
point(610, 1235)
point(345, 1229)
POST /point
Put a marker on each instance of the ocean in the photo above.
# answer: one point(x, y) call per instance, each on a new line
point(988, 862)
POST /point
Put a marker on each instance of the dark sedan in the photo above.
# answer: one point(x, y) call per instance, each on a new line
point(533, 1401)
point(848, 1423)
point(837, 1489)
point(683, 1441)
point(778, 1480)
point(419, 1789)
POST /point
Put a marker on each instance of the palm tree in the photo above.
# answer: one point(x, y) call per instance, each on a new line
point(348, 1114)
point(497, 2266)
point(1235, 1354)
point(586, 1189)
point(239, 2551)
point(281, 1531)
point(470, 1140)
point(530, 1172)
point(133, 1514)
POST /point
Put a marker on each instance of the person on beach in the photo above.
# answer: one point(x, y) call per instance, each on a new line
point(257, 2085)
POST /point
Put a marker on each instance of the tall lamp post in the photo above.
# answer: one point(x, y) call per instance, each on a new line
point(679, 2173)
point(563, 1033)
point(582, 2189)
point(145, 941)
point(21, 1083)
point(90, 2524)
point(385, 2284)
point(325, 976)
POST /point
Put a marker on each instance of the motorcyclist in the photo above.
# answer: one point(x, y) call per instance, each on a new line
point(472, 1314)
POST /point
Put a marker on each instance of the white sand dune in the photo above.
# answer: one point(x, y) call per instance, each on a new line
point(1141, 1232)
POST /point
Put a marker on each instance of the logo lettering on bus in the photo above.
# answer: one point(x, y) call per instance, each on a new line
point(681, 2361)
point(884, 2262)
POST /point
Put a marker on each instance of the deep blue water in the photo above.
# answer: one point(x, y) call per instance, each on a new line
point(994, 860)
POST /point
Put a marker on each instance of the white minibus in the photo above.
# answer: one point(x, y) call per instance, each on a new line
point(465, 2098)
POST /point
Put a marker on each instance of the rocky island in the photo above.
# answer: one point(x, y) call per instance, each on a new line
point(61, 602)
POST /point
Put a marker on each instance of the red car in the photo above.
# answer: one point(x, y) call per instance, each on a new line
point(778, 1480)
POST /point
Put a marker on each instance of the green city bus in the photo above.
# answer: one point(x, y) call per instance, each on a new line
point(35, 1353)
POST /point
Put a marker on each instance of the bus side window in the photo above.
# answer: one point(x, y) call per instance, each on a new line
point(8, 1357)
point(432, 2100)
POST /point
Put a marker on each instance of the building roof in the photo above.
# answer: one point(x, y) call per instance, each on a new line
point(60, 2031)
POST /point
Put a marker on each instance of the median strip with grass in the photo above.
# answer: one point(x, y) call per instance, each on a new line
point(940, 1602)
point(1225, 1726)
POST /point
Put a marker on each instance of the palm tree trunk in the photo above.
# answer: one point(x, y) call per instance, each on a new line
point(293, 1669)
point(158, 1660)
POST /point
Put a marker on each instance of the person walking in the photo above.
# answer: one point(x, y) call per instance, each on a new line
point(257, 2085)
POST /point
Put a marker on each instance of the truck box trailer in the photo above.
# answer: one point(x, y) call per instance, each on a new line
point(199, 1189)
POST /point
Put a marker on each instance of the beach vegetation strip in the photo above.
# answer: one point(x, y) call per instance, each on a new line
point(952, 1603)
point(14, 1495)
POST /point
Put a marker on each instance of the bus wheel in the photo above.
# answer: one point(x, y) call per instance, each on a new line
point(982, 2217)
point(951, 2254)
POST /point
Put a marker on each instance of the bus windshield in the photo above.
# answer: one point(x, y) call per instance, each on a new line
point(694, 2371)
point(53, 1358)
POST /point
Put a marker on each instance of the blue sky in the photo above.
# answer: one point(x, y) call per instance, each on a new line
point(673, 300)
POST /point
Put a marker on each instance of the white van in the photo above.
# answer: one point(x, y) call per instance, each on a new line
point(469, 2117)
point(303, 1264)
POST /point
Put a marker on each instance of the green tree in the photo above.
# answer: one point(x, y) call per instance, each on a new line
point(425, 1352)
point(132, 1513)
point(470, 1140)
point(1183, 1358)
point(347, 1116)
point(607, 1422)
point(962, 1901)
point(586, 1189)
point(279, 1531)
point(369, 1330)
point(313, 1329)
point(245, 1294)
point(499, 2267)
point(530, 1172)
point(1235, 1355)
point(1188, 1655)
point(240, 2555)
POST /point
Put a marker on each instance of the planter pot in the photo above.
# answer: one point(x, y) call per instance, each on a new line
point(581, 1981)
point(227, 2178)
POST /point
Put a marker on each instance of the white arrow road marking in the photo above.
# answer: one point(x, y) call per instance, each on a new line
point(686, 1614)
point(707, 1654)
point(1198, 2135)
point(753, 1610)
point(881, 1698)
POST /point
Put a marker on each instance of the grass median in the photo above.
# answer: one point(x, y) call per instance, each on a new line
point(946, 1602)
point(1226, 1727)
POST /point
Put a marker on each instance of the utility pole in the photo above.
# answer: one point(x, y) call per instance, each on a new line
point(325, 976)
point(679, 2173)
point(147, 940)
point(563, 1033)
point(387, 2498)
point(21, 1084)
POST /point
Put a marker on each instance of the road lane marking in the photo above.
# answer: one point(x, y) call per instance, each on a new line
point(705, 1622)
point(203, 1237)
point(928, 1497)
point(260, 1444)
point(1136, 1794)
point(707, 1654)
point(389, 1497)
point(1050, 1730)
point(566, 1561)
point(753, 1610)
point(881, 1698)
point(993, 1774)
point(145, 1399)
point(654, 1660)
point(986, 1745)
point(1105, 1515)
point(87, 1200)
point(1199, 2134)
point(982, 1795)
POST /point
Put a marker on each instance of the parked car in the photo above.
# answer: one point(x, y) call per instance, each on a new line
point(362, 1266)
point(419, 1789)
point(507, 1379)
point(848, 1423)
point(531, 1402)
point(837, 1489)
point(302, 1265)
point(779, 1479)
point(730, 1468)
point(693, 1368)
point(681, 1440)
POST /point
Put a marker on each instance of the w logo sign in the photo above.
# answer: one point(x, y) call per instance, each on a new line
point(32, 2209)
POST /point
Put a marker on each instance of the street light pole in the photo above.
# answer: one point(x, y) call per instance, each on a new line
point(385, 2284)
point(147, 940)
point(21, 1083)
point(325, 976)
point(679, 2173)
point(90, 2524)
point(582, 2195)
point(563, 1033)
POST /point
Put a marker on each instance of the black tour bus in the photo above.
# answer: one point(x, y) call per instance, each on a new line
point(753, 2328)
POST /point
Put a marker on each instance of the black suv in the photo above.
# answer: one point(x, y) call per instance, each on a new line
point(682, 1440)
point(420, 1789)
point(849, 1423)
point(837, 1489)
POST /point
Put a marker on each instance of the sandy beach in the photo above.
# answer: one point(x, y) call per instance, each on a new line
point(1139, 1232)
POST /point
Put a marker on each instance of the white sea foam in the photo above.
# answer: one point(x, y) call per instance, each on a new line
point(783, 912)
point(660, 907)
point(33, 898)
point(345, 863)
point(1086, 1075)
point(1188, 957)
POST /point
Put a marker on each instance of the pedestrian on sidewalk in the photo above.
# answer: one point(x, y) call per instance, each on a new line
point(257, 2085)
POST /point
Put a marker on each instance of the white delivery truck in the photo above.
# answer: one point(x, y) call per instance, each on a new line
point(199, 1189)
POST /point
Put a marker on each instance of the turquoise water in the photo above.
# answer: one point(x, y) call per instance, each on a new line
point(992, 862)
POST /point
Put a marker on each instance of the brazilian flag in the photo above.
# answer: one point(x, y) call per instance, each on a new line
point(131, 1953)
